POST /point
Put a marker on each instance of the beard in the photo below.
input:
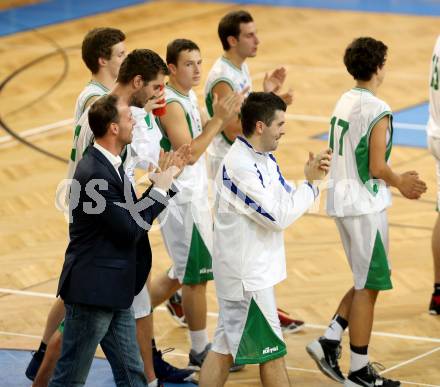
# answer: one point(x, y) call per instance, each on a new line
point(138, 100)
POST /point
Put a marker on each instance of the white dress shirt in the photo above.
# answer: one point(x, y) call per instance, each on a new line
point(114, 160)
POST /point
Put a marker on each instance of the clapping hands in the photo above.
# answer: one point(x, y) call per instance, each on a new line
point(171, 165)
point(317, 167)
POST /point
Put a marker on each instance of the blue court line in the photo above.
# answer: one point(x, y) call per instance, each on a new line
point(409, 126)
point(406, 7)
point(14, 362)
point(55, 11)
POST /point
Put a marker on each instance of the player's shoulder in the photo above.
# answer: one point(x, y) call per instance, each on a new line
point(92, 90)
point(219, 68)
point(240, 157)
point(377, 105)
point(192, 96)
point(137, 112)
point(370, 104)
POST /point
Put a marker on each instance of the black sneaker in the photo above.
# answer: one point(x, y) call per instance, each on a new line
point(434, 306)
point(165, 372)
point(196, 359)
point(34, 364)
point(236, 367)
point(326, 353)
point(369, 377)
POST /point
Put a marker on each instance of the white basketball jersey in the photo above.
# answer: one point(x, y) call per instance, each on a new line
point(93, 89)
point(224, 71)
point(144, 149)
point(238, 78)
point(433, 127)
point(352, 189)
point(193, 180)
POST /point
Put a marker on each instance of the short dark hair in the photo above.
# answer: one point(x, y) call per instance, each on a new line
point(230, 26)
point(97, 44)
point(143, 62)
point(102, 113)
point(175, 47)
point(259, 106)
point(364, 56)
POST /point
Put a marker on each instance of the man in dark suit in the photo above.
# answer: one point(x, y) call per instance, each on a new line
point(109, 256)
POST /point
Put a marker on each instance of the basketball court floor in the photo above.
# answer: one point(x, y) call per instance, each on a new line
point(41, 74)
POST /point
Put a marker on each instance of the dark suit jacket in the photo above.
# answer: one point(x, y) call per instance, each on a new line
point(109, 256)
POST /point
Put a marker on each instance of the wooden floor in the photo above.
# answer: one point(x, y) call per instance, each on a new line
point(310, 43)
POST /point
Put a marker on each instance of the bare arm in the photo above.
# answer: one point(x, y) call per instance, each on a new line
point(176, 126)
point(408, 183)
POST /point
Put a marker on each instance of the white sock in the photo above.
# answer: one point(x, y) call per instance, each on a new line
point(154, 383)
point(334, 331)
point(199, 340)
point(358, 361)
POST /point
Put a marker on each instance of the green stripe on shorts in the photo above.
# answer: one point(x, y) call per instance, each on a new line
point(259, 343)
point(379, 276)
point(199, 266)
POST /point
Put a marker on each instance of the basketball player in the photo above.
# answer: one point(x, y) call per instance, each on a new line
point(253, 206)
point(360, 136)
point(103, 50)
point(237, 33)
point(187, 227)
point(433, 130)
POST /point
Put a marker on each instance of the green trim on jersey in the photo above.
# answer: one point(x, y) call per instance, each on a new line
point(199, 266)
point(177, 91)
point(232, 65)
point(165, 144)
point(363, 89)
point(75, 141)
point(100, 85)
point(363, 157)
point(379, 275)
point(90, 96)
point(147, 120)
point(390, 142)
point(187, 117)
point(210, 99)
point(259, 343)
point(227, 139)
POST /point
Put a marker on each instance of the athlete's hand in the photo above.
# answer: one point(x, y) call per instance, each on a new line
point(181, 157)
point(229, 106)
point(165, 159)
point(411, 186)
point(317, 167)
point(163, 175)
point(273, 82)
point(156, 102)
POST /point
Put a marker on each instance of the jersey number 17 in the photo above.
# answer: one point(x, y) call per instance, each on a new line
point(344, 125)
